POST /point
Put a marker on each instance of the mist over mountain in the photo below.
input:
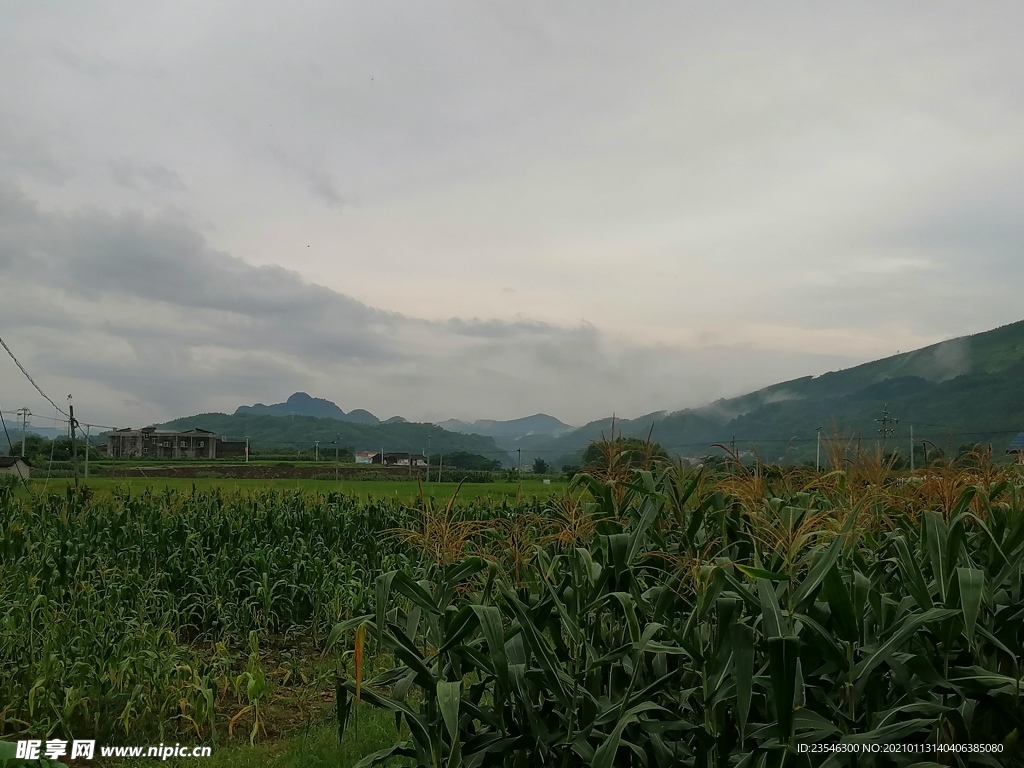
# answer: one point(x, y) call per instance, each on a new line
point(508, 435)
point(966, 389)
point(539, 424)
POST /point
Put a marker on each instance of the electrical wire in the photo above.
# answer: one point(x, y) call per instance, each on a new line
point(30, 379)
point(948, 432)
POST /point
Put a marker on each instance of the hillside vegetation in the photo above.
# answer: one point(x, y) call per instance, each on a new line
point(963, 390)
point(301, 404)
point(269, 431)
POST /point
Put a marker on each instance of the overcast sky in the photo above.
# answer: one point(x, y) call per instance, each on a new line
point(487, 210)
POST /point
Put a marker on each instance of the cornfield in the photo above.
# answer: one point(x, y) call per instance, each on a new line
point(730, 621)
point(119, 613)
point(653, 616)
point(183, 613)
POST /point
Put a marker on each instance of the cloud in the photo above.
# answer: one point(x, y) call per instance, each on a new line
point(508, 209)
point(141, 309)
point(24, 151)
point(322, 185)
point(138, 176)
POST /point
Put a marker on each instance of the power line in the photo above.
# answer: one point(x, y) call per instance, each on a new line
point(38, 416)
point(29, 377)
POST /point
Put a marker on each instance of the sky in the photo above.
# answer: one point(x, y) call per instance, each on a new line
point(488, 210)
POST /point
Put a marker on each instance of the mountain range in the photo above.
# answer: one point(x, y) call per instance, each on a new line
point(267, 431)
point(963, 390)
point(510, 433)
point(966, 389)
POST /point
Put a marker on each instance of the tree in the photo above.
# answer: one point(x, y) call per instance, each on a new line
point(540, 467)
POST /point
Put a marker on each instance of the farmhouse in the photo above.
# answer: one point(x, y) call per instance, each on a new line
point(14, 465)
point(365, 457)
point(399, 459)
point(150, 442)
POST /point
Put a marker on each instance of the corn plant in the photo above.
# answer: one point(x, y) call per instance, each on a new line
point(700, 628)
point(110, 605)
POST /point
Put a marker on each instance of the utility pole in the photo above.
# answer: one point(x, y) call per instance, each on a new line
point(246, 450)
point(817, 455)
point(911, 447)
point(88, 445)
point(24, 413)
point(428, 455)
point(519, 466)
point(884, 430)
point(440, 467)
point(316, 449)
point(72, 425)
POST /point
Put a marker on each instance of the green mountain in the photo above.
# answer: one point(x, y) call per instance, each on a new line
point(967, 389)
point(301, 404)
point(266, 432)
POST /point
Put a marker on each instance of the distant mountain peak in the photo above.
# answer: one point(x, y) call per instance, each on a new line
point(513, 429)
point(304, 404)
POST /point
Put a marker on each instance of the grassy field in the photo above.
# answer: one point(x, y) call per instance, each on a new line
point(401, 490)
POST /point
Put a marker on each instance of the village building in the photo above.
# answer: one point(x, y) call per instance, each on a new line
point(399, 459)
point(153, 443)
